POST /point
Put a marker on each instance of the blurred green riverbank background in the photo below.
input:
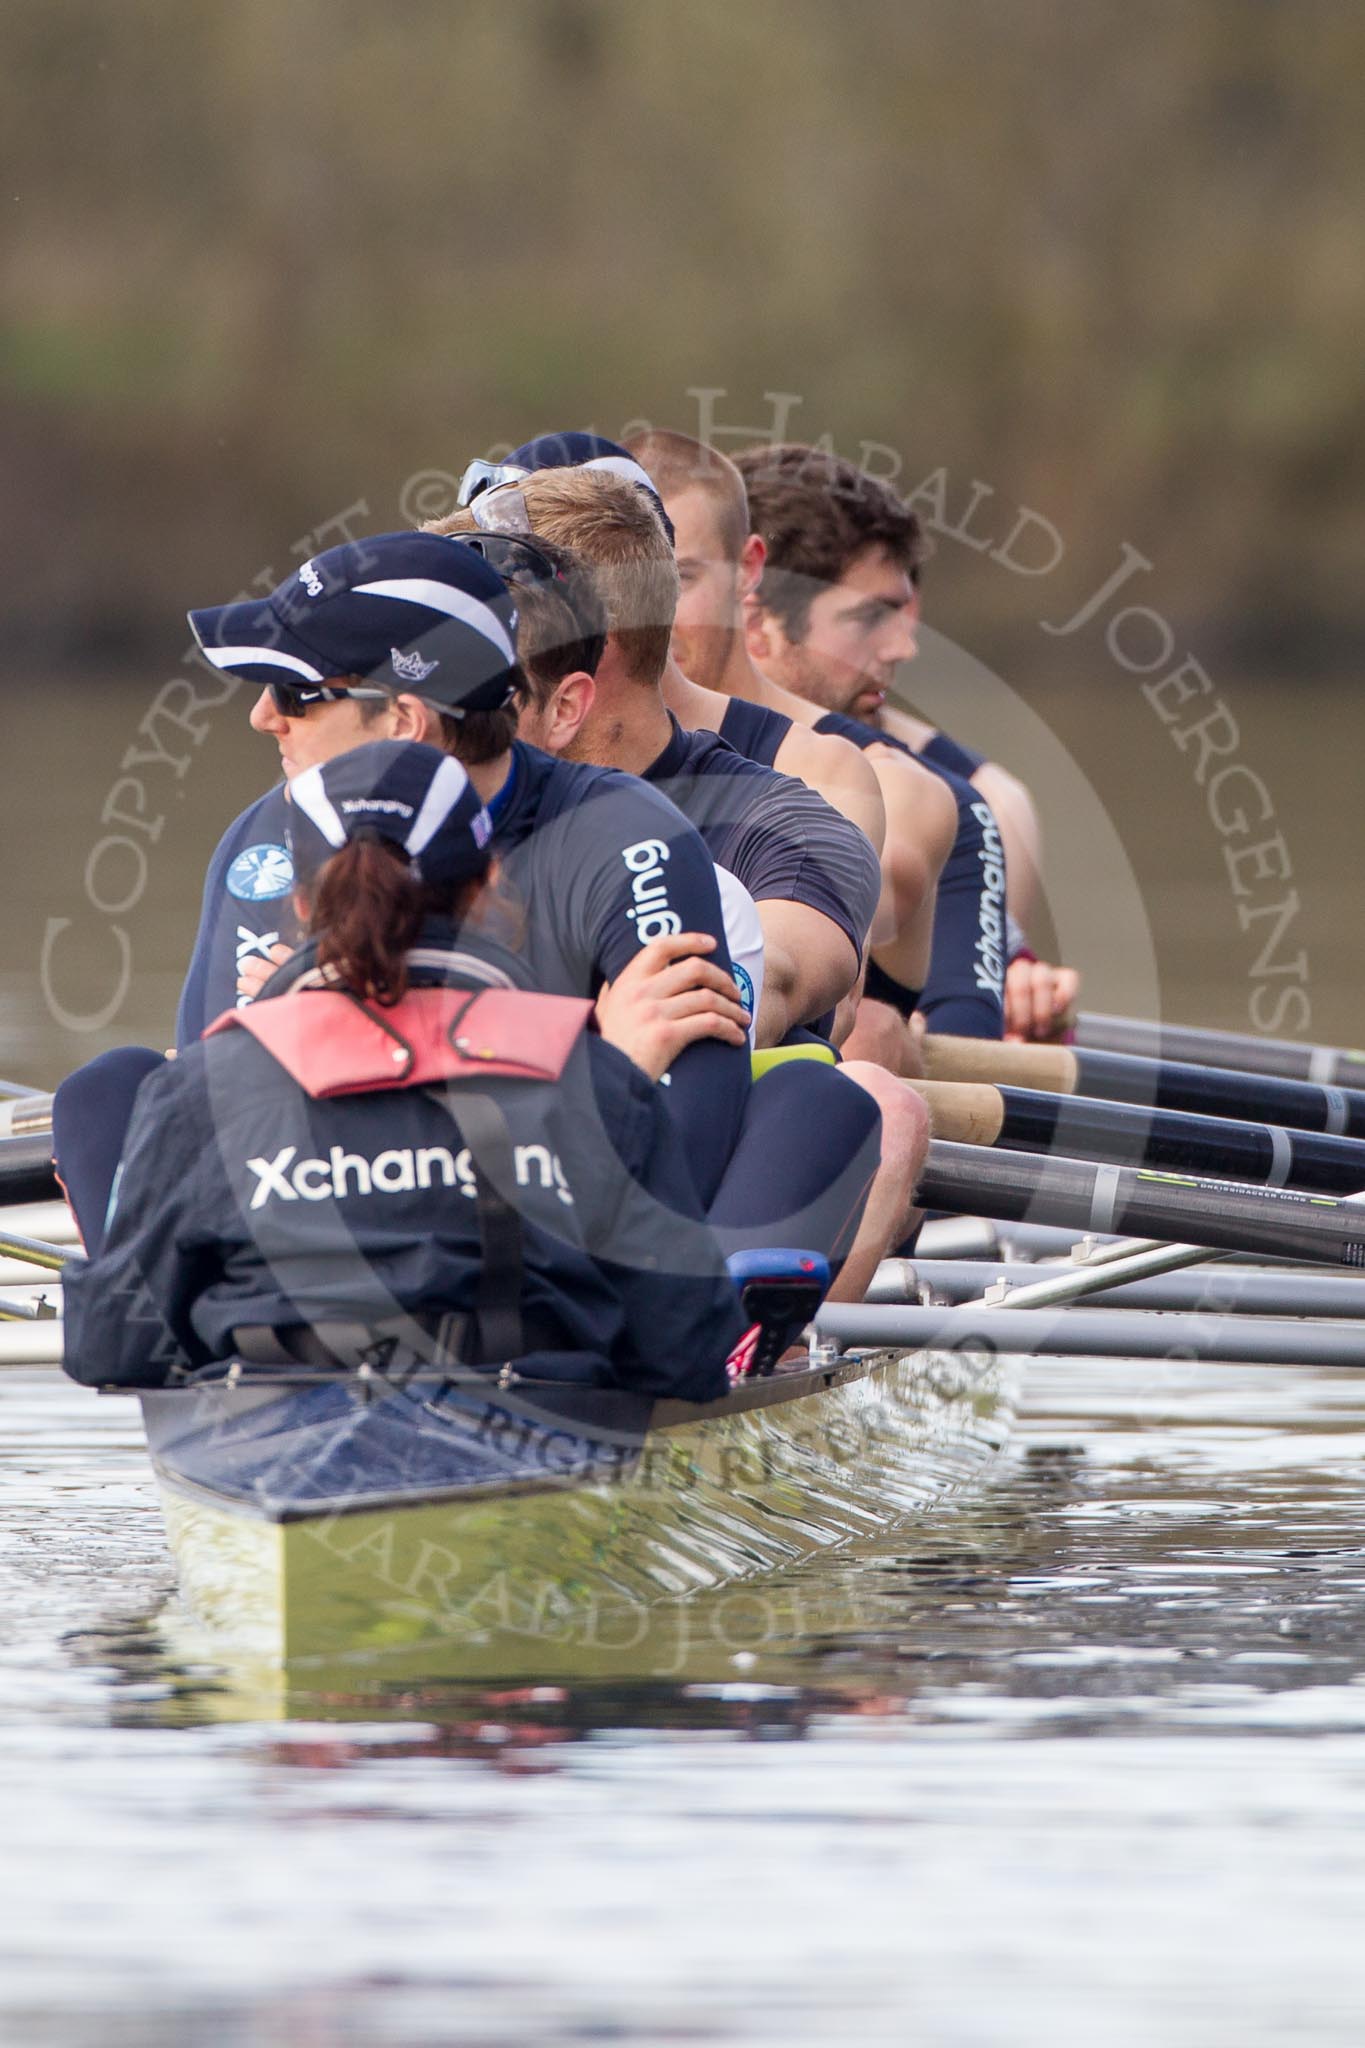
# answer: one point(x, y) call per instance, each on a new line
point(264, 261)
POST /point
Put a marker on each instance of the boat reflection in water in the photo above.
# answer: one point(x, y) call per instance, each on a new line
point(431, 1531)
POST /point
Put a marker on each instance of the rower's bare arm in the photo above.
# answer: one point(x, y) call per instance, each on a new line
point(849, 1010)
point(921, 824)
point(1017, 816)
point(904, 726)
point(666, 998)
point(839, 772)
point(809, 966)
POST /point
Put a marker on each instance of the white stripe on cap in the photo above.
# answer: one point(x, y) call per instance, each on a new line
point(626, 466)
point(309, 793)
point(444, 791)
point(265, 657)
point(443, 597)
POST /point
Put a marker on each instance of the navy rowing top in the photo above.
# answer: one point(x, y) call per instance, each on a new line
point(964, 993)
point(939, 751)
point(754, 731)
point(779, 838)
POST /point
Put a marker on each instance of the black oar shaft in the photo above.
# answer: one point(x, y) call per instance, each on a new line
point(1158, 1084)
point(26, 1169)
point(1332, 1066)
point(1275, 1223)
point(1221, 1091)
point(1264, 1153)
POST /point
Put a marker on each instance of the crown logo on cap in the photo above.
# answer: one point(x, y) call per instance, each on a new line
point(411, 667)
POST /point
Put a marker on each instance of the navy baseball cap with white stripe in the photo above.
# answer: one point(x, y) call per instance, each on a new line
point(400, 790)
point(577, 450)
point(408, 612)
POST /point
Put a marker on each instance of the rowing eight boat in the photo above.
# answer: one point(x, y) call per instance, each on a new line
point(378, 1510)
point(375, 1513)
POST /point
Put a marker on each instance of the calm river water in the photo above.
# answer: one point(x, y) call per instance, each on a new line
point(1079, 1756)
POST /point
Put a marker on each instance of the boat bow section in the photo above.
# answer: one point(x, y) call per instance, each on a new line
point(343, 1447)
point(316, 1519)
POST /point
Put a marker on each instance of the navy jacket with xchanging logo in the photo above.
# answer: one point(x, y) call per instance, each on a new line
point(599, 864)
point(245, 1202)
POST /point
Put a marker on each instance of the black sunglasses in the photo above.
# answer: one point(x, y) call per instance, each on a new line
point(295, 700)
point(519, 560)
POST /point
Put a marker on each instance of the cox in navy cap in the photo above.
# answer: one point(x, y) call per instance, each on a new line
point(400, 790)
point(570, 450)
point(406, 612)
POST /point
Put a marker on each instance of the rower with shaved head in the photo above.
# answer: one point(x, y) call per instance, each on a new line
point(719, 562)
point(831, 615)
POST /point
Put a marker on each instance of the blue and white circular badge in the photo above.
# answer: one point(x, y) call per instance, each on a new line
point(744, 982)
point(260, 873)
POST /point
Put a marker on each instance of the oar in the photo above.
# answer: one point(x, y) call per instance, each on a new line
point(34, 1251)
point(1012, 1318)
point(24, 1112)
point(1330, 1065)
point(40, 1311)
point(26, 1150)
point(1029, 1121)
point(955, 1282)
point(26, 1169)
point(1274, 1223)
point(17, 1088)
point(1093, 1333)
point(1162, 1084)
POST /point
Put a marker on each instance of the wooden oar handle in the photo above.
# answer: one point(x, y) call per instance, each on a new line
point(967, 1111)
point(1051, 1068)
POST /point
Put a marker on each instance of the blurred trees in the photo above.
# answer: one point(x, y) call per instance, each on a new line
point(264, 260)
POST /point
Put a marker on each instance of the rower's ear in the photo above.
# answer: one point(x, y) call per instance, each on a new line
point(568, 708)
point(762, 633)
point(752, 557)
point(410, 719)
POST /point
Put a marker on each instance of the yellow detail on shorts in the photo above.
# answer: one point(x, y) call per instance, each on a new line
point(761, 1063)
